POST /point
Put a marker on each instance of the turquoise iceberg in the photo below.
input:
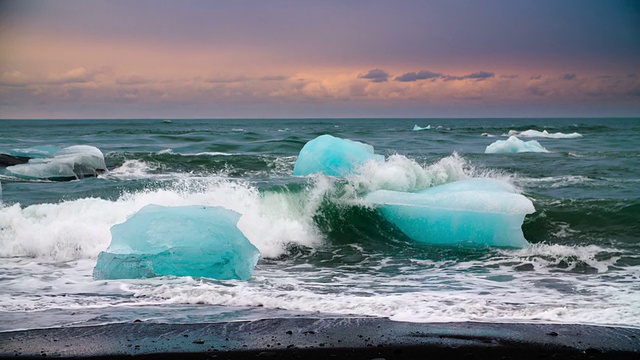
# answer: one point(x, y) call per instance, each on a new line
point(514, 145)
point(333, 156)
point(197, 241)
point(475, 212)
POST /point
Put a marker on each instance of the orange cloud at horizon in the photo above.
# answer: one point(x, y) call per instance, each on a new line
point(45, 72)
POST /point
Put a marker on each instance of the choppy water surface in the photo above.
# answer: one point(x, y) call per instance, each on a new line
point(323, 251)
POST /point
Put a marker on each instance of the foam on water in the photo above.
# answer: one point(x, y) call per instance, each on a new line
point(404, 174)
point(49, 250)
point(441, 291)
point(515, 285)
point(79, 229)
point(131, 169)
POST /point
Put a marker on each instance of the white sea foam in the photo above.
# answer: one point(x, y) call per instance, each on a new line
point(438, 293)
point(48, 252)
point(403, 174)
point(559, 181)
point(79, 229)
point(131, 169)
point(545, 257)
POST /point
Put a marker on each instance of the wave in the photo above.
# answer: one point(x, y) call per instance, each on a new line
point(580, 221)
point(293, 216)
point(520, 286)
point(80, 228)
point(166, 162)
point(275, 215)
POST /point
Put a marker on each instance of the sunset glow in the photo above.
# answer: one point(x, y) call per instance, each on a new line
point(104, 59)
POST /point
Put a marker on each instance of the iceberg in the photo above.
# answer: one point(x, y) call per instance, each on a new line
point(544, 134)
point(197, 241)
point(514, 145)
point(333, 156)
point(475, 212)
point(70, 163)
point(418, 128)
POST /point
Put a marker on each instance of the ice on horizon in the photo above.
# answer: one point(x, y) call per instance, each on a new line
point(198, 241)
point(333, 156)
point(544, 134)
point(418, 128)
point(53, 163)
point(514, 145)
point(476, 212)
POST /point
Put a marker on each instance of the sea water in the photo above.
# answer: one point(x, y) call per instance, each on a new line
point(324, 250)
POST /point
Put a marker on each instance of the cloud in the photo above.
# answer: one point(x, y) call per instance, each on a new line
point(74, 76)
point(511, 76)
point(536, 90)
point(571, 76)
point(274, 78)
point(14, 78)
point(78, 75)
point(535, 77)
point(132, 80)
point(478, 76)
point(421, 75)
point(376, 76)
point(226, 79)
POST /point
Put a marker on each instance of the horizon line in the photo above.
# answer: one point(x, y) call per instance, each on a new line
point(326, 118)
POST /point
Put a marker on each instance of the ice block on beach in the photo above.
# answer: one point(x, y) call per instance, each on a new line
point(197, 241)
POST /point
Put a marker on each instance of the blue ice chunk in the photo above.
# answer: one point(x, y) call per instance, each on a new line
point(474, 212)
point(544, 134)
point(333, 156)
point(197, 241)
point(418, 128)
point(514, 145)
point(70, 163)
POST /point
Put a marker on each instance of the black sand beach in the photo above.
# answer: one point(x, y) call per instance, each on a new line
point(334, 338)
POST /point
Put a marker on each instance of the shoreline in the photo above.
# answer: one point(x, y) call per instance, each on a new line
point(320, 338)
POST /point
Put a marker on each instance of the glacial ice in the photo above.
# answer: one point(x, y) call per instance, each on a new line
point(197, 241)
point(73, 162)
point(474, 212)
point(333, 156)
point(418, 128)
point(544, 134)
point(514, 145)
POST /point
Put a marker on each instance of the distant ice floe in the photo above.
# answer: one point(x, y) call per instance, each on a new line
point(418, 128)
point(514, 145)
point(543, 134)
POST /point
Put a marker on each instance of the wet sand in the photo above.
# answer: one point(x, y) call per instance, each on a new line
point(328, 338)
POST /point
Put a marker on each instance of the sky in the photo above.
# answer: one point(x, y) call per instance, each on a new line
point(319, 59)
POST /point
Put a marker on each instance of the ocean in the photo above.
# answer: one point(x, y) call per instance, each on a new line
point(323, 252)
